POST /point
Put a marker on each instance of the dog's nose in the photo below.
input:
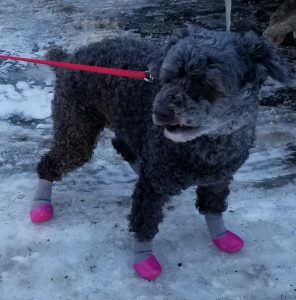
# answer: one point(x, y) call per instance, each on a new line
point(164, 114)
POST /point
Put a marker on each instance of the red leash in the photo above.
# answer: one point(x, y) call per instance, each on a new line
point(141, 75)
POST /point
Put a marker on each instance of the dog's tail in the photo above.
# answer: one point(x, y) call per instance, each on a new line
point(56, 54)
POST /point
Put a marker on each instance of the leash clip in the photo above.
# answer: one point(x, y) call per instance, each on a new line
point(149, 77)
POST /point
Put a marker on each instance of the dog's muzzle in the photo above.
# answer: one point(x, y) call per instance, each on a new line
point(170, 122)
point(163, 115)
point(174, 129)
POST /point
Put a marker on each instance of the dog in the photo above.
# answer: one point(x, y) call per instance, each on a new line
point(193, 125)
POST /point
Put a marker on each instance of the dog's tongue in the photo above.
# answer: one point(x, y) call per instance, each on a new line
point(174, 126)
point(176, 123)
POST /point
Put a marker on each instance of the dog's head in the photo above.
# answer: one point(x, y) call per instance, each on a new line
point(210, 80)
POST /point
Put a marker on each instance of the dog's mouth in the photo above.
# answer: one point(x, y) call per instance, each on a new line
point(179, 132)
point(178, 127)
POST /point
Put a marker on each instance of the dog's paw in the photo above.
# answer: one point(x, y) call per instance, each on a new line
point(229, 242)
point(42, 213)
point(149, 268)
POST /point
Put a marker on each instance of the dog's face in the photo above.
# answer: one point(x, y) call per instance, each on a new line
point(209, 82)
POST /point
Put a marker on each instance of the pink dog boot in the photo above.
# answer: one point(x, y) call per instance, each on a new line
point(149, 268)
point(42, 213)
point(229, 242)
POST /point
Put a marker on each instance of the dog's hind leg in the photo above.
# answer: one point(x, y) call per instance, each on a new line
point(211, 202)
point(75, 136)
point(145, 217)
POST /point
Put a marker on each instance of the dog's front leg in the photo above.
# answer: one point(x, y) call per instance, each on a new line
point(145, 216)
point(212, 202)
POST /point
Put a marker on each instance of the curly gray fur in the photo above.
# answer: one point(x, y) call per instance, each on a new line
point(203, 103)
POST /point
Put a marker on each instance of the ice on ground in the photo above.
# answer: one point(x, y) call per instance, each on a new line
point(30, 101)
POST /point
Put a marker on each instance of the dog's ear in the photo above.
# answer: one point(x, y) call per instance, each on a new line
point(176, 37)
point(266, 58)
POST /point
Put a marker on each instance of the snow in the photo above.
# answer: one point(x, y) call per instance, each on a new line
point(85, 252)
point(22, 98)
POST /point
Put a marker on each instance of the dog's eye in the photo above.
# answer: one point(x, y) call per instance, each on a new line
point(182, 72)
point(199, 91)
point(212, 95)
point(210, 61)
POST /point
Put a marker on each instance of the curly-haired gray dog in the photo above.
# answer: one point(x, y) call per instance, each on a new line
point(194, 125)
